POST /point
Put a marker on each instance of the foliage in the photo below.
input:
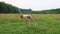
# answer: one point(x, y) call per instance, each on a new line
point(7, 8)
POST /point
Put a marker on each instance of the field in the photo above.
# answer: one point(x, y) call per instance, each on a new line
point(45, 24)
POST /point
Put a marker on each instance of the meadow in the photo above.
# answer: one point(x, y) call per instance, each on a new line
point(45, 24)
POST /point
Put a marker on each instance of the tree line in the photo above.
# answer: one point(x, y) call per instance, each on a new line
point(8, 8)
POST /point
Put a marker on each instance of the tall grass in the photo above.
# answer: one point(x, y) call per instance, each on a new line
point(46, 24)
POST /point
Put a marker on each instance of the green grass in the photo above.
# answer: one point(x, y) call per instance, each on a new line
point(46, 24)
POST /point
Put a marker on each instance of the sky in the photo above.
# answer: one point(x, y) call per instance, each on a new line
point(34, 4)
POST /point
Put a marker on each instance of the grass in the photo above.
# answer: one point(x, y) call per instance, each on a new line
point(46, 24)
